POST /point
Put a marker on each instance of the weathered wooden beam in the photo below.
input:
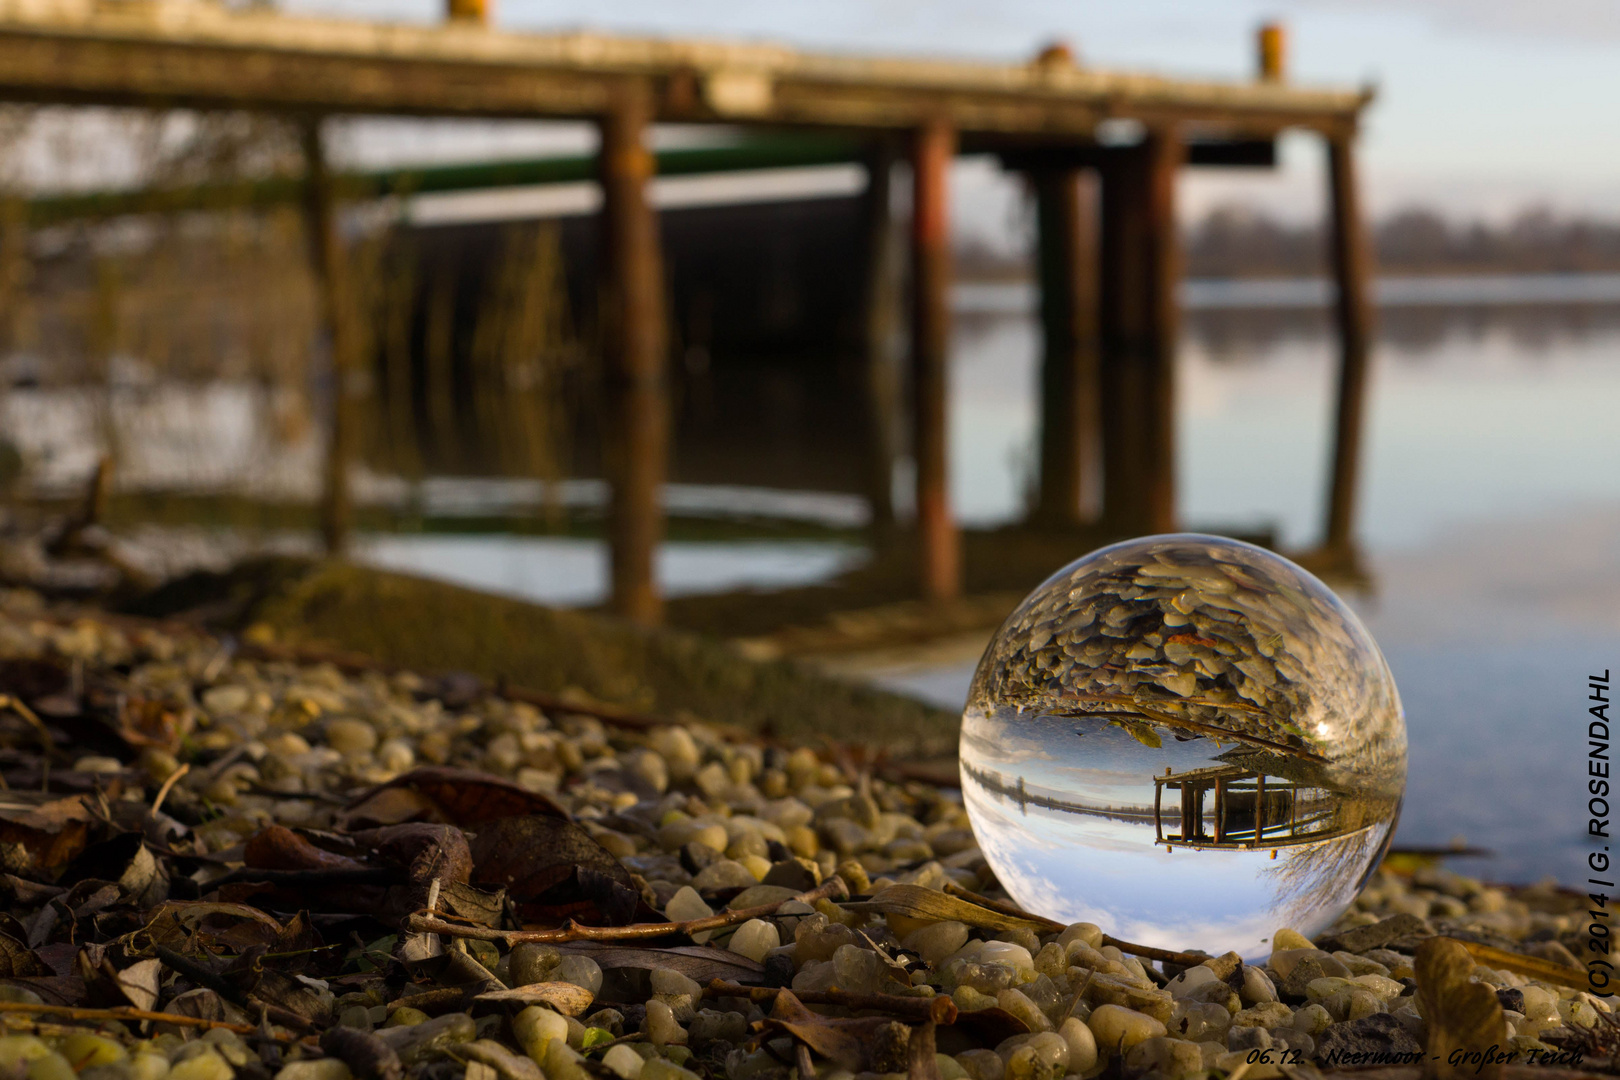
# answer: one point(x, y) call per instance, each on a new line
point(1139, 322)
point(1067, 262)
point(1352, 315)
point(338, 329)
point(880, 372)
point(1211, 153)
point(176, 74)
point(169, 54)
point(939, 554)
point(637, 421)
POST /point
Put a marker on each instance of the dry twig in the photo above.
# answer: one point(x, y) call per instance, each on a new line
point(163, 792)
point(125, 1013)
point(939, 1009)
point(1152, 952)
point(832, 888)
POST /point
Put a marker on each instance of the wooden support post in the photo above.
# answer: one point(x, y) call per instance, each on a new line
point(1272, 43)
point(939, 551)
point(1260, 808)
point(338, 329)
point(637, 424)
point(879, 371)
point(1158, 810)
point(1139, 322)
point(1352, 313)
point(1069, 443)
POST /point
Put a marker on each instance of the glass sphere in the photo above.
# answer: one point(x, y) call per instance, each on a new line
point(1187, 740)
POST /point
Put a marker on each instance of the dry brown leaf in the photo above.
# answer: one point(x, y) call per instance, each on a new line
point(463, 797)
point(145, 722)
point(423, 850)
point(181, 925)
point(566, 998)
point(553, 867)
point(472, 905)
point(297, 940)
point(52, 989)
point(1529, 966)
point(916, 902)
point(293, 994)
point(850, 1041)
point(699, 963)
point(50, 833)
point(1462, 1015)
point(388, 806)
point(991, 1025)
point(279, 848)
point(17, 960)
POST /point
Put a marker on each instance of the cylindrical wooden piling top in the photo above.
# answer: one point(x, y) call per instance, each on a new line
point(180, 53)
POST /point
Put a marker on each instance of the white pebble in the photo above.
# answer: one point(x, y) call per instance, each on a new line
point(1183, 985)
point(687, 904)
point(622, 1060)
point(1082, 1045)
point(754, 939)
point(1117, 1028)
point(536, 1026)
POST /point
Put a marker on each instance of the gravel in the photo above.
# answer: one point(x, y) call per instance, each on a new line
point(699, 819)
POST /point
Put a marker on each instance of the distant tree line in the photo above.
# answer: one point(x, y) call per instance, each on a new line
point(1241, 241)
point(1237, 241)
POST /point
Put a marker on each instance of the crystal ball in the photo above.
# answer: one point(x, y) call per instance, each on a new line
point(1187, 740)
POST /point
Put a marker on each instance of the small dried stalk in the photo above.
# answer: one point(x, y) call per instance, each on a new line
point(1152, 952)
point(128, 1013)
point(939, 1009)
point(422, 923)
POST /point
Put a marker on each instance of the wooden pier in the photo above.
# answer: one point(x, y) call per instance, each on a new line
point(1103, 150)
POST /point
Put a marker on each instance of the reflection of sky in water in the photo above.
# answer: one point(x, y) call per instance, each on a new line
point(1076, 868)
point(1105, 766)
point(1091, 867)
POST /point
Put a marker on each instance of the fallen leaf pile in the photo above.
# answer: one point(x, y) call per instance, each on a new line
point(216, 861)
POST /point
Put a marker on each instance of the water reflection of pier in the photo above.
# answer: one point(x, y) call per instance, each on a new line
point(1020, 793)
point(1249, 810)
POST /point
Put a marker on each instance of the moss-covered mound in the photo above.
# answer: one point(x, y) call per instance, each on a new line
point(432, 626)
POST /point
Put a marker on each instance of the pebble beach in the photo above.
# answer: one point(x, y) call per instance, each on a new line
point(218, 861)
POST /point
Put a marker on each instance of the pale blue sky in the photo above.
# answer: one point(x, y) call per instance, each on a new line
point(1484, 106)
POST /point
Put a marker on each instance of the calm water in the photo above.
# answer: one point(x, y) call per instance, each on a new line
point(1490, 510)
point(1490, 514)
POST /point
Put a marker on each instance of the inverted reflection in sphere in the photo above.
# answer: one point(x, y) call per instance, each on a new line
point(1187, 740)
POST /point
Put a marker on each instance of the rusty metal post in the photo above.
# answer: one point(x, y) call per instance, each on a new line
point(1140, 321)
point(939, 547)
point(880, 373)
point(338, 329)
point(1352, 312)
point(1069, 442)
point(637, 423)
